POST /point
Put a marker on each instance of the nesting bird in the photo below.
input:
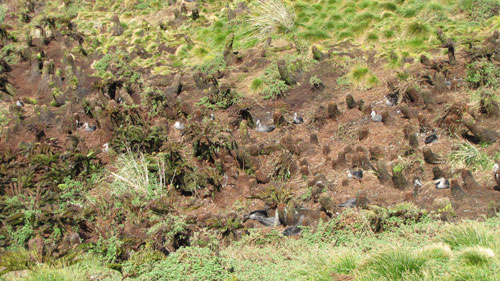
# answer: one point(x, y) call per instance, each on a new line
point(355, 174)
point(432, 138)
point(105, 147)
point(392, 99)
point(417, 185)
point(78, 124)
point(179, 125)
point(264, 128)
point(376, 117)
point(349, 203)
point(297, 119)
point(19, 103)
point(442, 183)
point(496, 175)
point(89, 128)
point(212, 116)
point(261, 216)
point(294, 229)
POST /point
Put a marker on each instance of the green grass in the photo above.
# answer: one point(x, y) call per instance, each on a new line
point(469, 234)
point(425, 250)
point(465, 154)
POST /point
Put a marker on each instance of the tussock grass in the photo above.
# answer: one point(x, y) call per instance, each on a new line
point(476, 256)
point(464, 154)
point(270, 16)
point(469, 234)
point(393, 264)
point(133, 175)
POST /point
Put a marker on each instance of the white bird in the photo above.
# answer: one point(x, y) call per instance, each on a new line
point(442, 183)
point(105, 147)
point(179, 125)
point(417, 183)
point(264, 128)
point(297, 119)
point(376, 117)
point(212, 116)
point(89, 128)
point(19, 103)
point(496, 173)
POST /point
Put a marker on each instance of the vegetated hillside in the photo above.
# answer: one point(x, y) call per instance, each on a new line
point(137, 136)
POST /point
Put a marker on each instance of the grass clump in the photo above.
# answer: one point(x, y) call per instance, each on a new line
point(466, 154)
point(468, 234)
point(476, 256)
point(393, 264)
point(270, 16)
point(133, 175)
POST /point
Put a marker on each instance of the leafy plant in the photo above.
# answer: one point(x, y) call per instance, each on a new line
point(483, 73)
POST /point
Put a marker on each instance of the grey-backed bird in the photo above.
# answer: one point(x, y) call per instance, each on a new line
point(442, 183)
point(264, 128)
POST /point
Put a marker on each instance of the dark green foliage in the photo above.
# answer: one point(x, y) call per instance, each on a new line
point(483, 73)
point(138, 138)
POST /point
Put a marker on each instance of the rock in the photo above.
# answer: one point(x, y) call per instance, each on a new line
point(317, 54)
point(285, 74)
point(376, 153)
point(413, 141)
point(195, 14)
point(456, 190)
point(349, 99)
point(469, 182)
point(313, 138)
point(430, 157)
point(437, 173)
point(363, 133)
point(262, 177)
point(228, 48)
point(439, 82)
point(482, 134)
point(333, 111)
point(398, 178)
point(382, 173)
point(117, 29)
point(327, 204)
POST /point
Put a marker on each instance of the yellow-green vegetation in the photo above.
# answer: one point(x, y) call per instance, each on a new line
point(464, 154)
point(415, 249)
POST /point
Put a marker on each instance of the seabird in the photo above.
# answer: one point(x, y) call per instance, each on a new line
point(376, 117)
point(442, 183)
point(263, 128)
point(105, 147)
point(212, 116)
point(356, 174)
point(253, 215)
point(496, 175)
point(392, 99)
point(417, 183)
point(179, 125)
point(294, 229)
point(432, 138)
point(78, 124)
point(19, 103)
point(297, 119)
point(349, 203)
point(89, 128)
point(261, 216)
